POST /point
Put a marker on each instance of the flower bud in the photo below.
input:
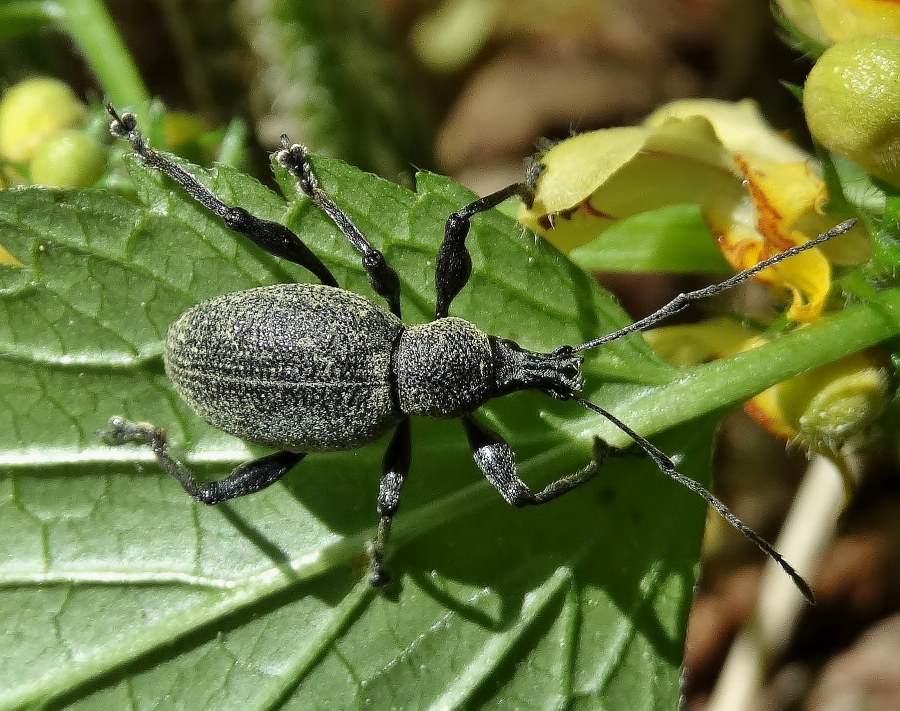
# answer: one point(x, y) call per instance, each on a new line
point(68, 159)
point(31, 111)
point(828, 405)
point(852, 101)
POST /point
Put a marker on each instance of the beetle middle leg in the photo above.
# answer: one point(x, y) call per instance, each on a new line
point(496, 460)
point(248, 478)
point(395, 467)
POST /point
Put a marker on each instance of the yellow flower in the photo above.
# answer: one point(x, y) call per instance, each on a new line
point(31, 111)
point(820, 409)
point(759, 194)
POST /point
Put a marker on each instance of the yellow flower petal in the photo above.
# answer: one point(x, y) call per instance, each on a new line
point(821, 408)
point(781, 194)
point(594, 179)
point(738, 125)
point(688, 345)
point(759, 193)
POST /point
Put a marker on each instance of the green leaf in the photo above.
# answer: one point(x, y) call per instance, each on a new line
point(117, 590)
point(20, 16)
point(670, 239)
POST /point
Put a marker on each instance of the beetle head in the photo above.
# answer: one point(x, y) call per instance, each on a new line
point(558, 374)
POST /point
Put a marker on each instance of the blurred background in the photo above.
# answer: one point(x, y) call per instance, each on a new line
point(466, 87)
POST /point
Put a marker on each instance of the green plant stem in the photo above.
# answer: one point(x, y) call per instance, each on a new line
point(93, 30)
point(19, 17)
point(724, 383)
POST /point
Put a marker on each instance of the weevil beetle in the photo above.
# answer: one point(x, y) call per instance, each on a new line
point(312, 367)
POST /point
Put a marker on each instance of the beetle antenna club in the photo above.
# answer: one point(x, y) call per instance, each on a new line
point(667, 467)
point(306, 368)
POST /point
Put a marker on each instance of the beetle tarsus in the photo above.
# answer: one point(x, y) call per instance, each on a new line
point(379, 576)
point(395, 467)
point(294, 157)
point(122, 431)
point(273, 237)
point(305, 366)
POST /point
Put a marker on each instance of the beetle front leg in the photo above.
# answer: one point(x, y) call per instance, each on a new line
point(394, 470)
point(245, 479)
point(454, 265)
point(496, 460)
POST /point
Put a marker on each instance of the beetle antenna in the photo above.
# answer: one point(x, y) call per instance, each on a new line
point(667, 467)
point(682, 300)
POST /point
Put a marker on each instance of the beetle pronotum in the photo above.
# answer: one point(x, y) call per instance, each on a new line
point(312, 367)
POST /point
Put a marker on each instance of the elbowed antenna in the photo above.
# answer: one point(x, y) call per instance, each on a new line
point(664, 463)
point(667, 467)
point(682, 300)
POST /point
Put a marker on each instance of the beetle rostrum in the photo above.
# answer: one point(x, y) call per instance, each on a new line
point(312, 367)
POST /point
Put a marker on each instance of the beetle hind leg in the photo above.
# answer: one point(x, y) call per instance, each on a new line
point(245, 479)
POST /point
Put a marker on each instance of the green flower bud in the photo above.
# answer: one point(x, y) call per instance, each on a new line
point(828, 405)
point(852, 103)
point(31, 111)
point(68, 159)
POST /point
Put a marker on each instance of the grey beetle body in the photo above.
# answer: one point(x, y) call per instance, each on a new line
point(444, 368)
point(313, 375)
point(312, 367)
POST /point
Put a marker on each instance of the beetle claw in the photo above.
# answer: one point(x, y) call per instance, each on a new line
point(379, 577)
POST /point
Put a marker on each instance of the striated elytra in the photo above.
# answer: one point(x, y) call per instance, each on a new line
point(326, 369)
point(314, 375)
point(312, 367)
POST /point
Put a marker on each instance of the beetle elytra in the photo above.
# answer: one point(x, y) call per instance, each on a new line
point(307, 368)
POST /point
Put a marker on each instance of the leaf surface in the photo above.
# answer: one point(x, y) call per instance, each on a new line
point(117, 590)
